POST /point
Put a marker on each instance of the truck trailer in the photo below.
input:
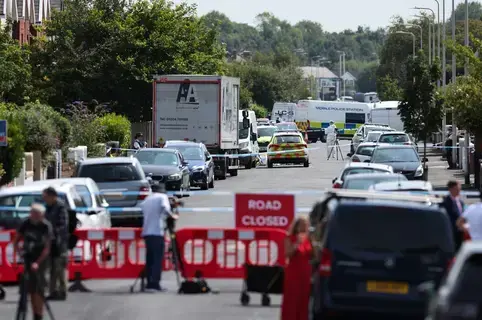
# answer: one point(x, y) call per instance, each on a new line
point(203, 109)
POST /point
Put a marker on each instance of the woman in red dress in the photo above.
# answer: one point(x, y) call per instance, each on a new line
point(297, 277)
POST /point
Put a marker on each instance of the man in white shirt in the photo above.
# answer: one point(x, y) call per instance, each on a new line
point(471, 221)
point(155, 209)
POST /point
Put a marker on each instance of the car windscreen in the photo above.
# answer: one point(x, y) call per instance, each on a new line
point(391, 228)
point(84, 193)
point(373, 136)
point(22, 203)
point(286, 126)
point(189, 152)
point(385, 155)
point(243, 133)
point(110, 172)
point(266, 132)
point(157, 158)
point(365, 150)
point(468, 285)
point(288, 139)
point(350, 171)
point(366, 183)
point(394, 138)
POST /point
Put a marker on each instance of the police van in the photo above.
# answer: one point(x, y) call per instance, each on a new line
point(284, 111)
point(348, 116)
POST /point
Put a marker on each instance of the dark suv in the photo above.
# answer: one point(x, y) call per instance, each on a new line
point(376, 254)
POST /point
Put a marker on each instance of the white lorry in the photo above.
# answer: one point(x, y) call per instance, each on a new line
point(202, 109)
point(284, 111)
point(386, 112)
point(248, 139)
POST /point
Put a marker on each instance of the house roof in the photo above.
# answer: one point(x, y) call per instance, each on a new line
point(318, 72)
point(347, 76)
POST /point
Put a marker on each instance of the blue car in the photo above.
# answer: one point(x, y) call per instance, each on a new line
point(377, 256)
point(199, 161)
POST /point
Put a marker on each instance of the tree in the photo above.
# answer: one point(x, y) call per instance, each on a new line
point(418, 111)
point(115, 128)
point(11, 157)
point(109, 50)
point(388, 89)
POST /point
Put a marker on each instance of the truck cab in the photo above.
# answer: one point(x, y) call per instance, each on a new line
point(248, 139)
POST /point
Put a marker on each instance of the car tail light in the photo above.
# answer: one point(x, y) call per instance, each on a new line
point(325, 263)
point(143, 191)
point(355, 159)
point(337, 185)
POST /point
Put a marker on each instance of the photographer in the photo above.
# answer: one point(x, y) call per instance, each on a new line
point(36, 233)
point(155, 210)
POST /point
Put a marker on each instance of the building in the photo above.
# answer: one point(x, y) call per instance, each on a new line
point(350, 80)
point(26, 14)
point(326, 83)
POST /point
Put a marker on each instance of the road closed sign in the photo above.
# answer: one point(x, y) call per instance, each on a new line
point(264, 210)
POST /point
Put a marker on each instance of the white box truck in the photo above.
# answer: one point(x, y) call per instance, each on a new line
point(202, 109)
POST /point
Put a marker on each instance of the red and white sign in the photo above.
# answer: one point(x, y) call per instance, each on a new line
point(264, 210)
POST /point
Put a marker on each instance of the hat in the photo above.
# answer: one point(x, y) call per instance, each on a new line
point(38, 207)
point(331, 121)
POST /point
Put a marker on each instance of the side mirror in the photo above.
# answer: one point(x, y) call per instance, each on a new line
point(149, 175)
point(333, 181)
point(367, 161)
point(185, 163)
point(245, 114)
point(349, 154)
point(425, 160)
point(254, 137)
point(359, 134)
point(149, 179)
point(245, 123)
point(208, 157)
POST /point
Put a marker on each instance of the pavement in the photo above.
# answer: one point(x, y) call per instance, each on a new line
point(110, 299)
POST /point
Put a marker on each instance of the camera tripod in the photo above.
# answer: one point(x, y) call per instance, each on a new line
point(22, 306)
point(335, 148)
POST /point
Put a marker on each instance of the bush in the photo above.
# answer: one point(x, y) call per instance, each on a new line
point(260, 111)
point(39, 132)
point(11, 157)
point(116, 128)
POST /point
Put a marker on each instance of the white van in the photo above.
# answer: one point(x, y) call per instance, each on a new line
point(386, 112)
point(248, 140)
point(284, 111)
point(348, 116)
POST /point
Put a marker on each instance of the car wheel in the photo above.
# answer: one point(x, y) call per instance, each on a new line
point(306, 164)
point(205, 185)
point(248, 164)
point(270, 164)
point(211, 184)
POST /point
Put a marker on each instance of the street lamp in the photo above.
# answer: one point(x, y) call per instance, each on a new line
point(454, 78)
point(313, 59)
point(421, 32)
point(414, 38)
point(433, 27)
point(429, 37)
point(342, 69)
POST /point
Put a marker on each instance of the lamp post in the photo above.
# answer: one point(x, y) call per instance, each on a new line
point(433, 29)
point(421, 32)
point(429, 37)
point(444, 71)
point(414, 38)
point(313, 59)
point(342, 70)
point(454, 79)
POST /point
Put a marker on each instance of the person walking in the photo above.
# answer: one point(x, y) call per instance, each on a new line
point(448, 152)
point(37, 235)
point(155, 209)
point(471, 221)
point(454, 207)
point(298, 270)
point(330, 133)
point(57, 214)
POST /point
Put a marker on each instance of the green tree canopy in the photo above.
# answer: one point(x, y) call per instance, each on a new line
point(109, 51)
point(11, 157)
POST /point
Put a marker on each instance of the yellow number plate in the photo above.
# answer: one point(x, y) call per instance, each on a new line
point(387, 287)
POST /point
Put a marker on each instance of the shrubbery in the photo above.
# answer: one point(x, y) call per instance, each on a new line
point(11, 157)
point(260, 111)
point(115, 128)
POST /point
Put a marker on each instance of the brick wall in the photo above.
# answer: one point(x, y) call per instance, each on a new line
point(22, 31)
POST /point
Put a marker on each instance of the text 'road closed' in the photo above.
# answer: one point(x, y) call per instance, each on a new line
point(264, 210)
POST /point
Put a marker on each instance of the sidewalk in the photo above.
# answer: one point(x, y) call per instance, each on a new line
point(438, 174)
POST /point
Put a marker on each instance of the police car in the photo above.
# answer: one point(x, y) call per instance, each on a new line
point(287, 147)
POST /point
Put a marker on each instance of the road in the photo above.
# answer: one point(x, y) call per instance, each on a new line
point(112, 300)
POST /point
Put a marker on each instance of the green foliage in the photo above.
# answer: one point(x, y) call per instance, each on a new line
point(420, 114)
point(389, 89)
point(11, 157)
point(260, 111)
point(15, 69)
point(115, 128)
point(269, 78)
point(109, 50)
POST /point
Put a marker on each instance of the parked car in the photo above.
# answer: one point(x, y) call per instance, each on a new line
point(199, 162)
point(459, 296)
point(18, 201)
point(122, 182)
point(363, 152)
point(364, 130)
point(356, 168)
point(403, 159)
point(376, 255)
point(291, 147)
point(166, 166)
point(403, 186)
point(395, 137)
point(366, 181)
point(287, 126)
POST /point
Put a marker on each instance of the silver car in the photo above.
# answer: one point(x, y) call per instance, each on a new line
point(363, 152)
point(123, 184)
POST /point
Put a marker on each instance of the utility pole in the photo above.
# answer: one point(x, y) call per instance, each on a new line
point(454, 79)
point(444, 72)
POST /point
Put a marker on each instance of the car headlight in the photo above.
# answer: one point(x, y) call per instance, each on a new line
point(197, 168)
point(419, 171)
point(243, 145)
point(176, 176)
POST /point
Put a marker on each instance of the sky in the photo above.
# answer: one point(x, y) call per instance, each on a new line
point(334, 16)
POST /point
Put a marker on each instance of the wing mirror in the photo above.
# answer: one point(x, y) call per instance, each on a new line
point(425, 160)
point(349, 154)
point(333, 181)
point(185, 163)
point(208, 157)
point(245, 123)
point(254, 137)
point(358, 134)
